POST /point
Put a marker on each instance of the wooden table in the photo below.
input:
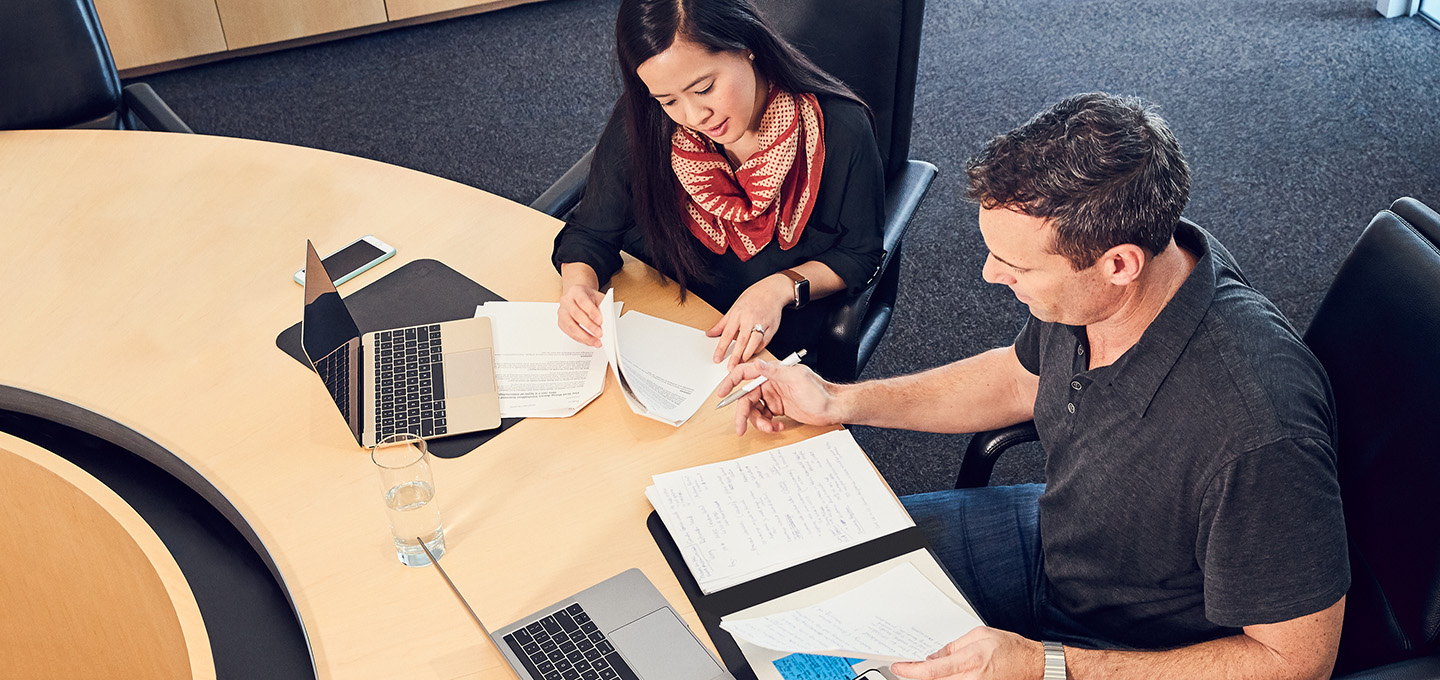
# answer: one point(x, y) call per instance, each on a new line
point(146, 276)
point(89, 589)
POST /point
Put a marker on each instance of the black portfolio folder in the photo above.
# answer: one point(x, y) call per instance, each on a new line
point(420, 292)
point(710, 608)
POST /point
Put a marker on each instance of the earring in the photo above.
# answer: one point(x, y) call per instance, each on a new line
point(752, 56)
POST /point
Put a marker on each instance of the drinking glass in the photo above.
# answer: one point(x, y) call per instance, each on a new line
point(409, 490)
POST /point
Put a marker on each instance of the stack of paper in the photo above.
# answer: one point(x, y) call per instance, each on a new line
point(665, 369)
point(540, 372)
point(737, 520)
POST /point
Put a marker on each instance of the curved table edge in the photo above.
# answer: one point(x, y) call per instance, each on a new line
point(177, 588)
point(85, 420)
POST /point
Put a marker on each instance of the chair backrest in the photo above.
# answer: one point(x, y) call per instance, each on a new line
point(55, 67)
point(871, 45)
point(1378, 334)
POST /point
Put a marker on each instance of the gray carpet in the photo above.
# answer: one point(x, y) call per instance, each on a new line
point(1301, 120)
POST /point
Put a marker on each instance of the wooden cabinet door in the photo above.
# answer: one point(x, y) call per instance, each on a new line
point(258, 22)
point(155, 31)
point(405, 9)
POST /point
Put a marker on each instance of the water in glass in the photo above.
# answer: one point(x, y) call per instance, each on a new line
point(412, 515)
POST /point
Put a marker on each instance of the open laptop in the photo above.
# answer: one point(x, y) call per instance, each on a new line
point(619, 629)
point(430, 380)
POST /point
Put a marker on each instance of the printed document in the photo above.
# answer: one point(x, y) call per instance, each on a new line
point(540, 371)
point(737, 520)
point(665, 369)
point(898, 616)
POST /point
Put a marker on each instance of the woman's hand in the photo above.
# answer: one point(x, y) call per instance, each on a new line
point(580, 300)
point(753, 319)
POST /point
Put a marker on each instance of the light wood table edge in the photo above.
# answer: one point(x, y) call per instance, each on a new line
point(187, 610)
point(80, 418)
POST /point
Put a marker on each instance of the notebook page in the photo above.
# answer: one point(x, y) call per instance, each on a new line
point(737, 520)
point(897, 616)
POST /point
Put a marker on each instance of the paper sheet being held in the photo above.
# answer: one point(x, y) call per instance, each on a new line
point(540, 372)
point(897, 616)
point(664, 368)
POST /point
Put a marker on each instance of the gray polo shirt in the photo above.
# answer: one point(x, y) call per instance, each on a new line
point(1191, 485)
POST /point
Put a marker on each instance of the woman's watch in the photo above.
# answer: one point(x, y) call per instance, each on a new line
point(802, 288)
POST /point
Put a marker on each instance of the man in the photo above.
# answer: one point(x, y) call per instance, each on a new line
point(1191, 524)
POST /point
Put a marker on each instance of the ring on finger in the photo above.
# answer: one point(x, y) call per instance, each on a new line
point(759, 328)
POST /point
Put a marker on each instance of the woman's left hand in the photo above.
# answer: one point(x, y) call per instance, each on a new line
point(753, 319)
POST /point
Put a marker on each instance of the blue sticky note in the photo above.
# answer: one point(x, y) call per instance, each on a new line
point(815, 667)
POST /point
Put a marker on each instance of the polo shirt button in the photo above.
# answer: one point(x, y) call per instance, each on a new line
point(1075, 384)
point(1070, 407)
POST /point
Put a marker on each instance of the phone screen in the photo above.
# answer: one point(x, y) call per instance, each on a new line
point(350, 258)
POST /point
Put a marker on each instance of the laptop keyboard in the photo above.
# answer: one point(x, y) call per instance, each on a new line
point(334, 369)
point(567, 645)
point(409, 382)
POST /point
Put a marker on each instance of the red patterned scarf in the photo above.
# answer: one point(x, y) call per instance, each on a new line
point(772, 192)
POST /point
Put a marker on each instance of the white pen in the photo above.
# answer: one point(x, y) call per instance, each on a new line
point(791, 360)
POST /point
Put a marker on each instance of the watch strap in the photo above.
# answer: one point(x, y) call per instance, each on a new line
point(802, 287)
point(1054, 660)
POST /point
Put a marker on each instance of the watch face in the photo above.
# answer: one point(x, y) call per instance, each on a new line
point(802, 287)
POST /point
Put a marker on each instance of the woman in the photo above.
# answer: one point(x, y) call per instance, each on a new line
point(734, 166)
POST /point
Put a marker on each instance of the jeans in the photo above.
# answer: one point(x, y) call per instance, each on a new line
point(989, 540)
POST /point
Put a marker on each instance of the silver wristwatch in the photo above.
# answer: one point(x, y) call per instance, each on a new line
point(1054, 661)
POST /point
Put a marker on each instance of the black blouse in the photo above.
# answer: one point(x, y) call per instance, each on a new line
point(844, 231)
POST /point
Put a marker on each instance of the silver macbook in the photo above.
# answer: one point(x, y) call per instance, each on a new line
point(619, 629)
point(431, 380)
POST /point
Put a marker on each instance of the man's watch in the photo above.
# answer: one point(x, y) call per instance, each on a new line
point(1054, 660)
point(802, 288)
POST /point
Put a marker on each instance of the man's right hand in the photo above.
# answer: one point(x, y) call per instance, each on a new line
point(580, 313)
point(791, 391)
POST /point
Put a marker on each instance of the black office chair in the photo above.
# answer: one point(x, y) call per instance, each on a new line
point(1377, 332)
point(56, 71)
point(874, 47)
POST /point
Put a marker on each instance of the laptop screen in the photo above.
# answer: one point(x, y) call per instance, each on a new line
point(331, 340)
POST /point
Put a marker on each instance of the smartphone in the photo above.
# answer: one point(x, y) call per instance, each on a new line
point(348, 262)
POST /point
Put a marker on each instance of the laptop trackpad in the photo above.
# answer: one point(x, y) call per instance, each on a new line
point(658, 646)
point(469, 373)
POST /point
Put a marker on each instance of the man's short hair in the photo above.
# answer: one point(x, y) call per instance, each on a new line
point(1104, 170)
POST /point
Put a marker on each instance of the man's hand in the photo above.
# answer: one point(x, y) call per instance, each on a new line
point(792, 391)
point(981, 653)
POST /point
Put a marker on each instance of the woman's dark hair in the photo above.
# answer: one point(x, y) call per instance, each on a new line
point(1105, 170)
point(644, 29)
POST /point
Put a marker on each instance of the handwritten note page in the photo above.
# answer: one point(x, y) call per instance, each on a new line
point(737, 520)
point(897, 616)
point(540, 372)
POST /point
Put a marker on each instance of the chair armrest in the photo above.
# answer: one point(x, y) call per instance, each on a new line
point(1423, 668)
point(985, 448)
point(565, 193)
point(903, 194)
point(153, 112)
point(854, 322)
